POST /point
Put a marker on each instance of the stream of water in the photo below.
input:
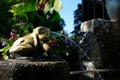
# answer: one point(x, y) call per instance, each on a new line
point(81, 51)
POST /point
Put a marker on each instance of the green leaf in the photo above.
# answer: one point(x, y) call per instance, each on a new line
point(54, 5)
point(21, 8)
point(5, 57)
point(4, 52)
point(30, 5)
point(17, 9)
point(56, 17)
point(47, 8)
point(57, 5)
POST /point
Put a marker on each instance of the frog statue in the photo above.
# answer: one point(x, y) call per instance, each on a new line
point(31, 45)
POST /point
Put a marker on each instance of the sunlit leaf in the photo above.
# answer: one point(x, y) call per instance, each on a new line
point(5, 57)
point(53, 4)
point(57, 5)
point(47, 8)
point(21, 8)
point(4, 52)
point(17, 9)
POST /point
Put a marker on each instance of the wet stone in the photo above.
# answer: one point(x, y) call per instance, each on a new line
point(103, 39)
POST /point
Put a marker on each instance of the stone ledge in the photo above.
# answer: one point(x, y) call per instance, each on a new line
point(34, 70)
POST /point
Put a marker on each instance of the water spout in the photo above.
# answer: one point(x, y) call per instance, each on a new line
point(81, 52)
point(77, 45)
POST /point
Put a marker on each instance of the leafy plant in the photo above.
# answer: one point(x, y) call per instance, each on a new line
point(6, 44)
point(61, 45)
point(32, 13)
point(38, 12)
point(19, 29)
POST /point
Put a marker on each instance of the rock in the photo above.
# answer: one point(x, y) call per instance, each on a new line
point(103, 40)
point(34, 70)
point(103, 37)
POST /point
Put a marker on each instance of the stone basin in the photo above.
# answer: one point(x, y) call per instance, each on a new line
point(34, 70)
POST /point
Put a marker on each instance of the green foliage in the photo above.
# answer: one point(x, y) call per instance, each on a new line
point(60, 44)
point(31, 12)
point(3, 51)
point(21, 29)
point(20, 9)
point(13, 1)
point(43, 12)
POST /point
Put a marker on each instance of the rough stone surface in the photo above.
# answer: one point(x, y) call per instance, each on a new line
point(34, 70)
point(103, 39)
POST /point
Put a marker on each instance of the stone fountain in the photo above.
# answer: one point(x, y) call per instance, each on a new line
point(103, 39)
point(24, 63)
